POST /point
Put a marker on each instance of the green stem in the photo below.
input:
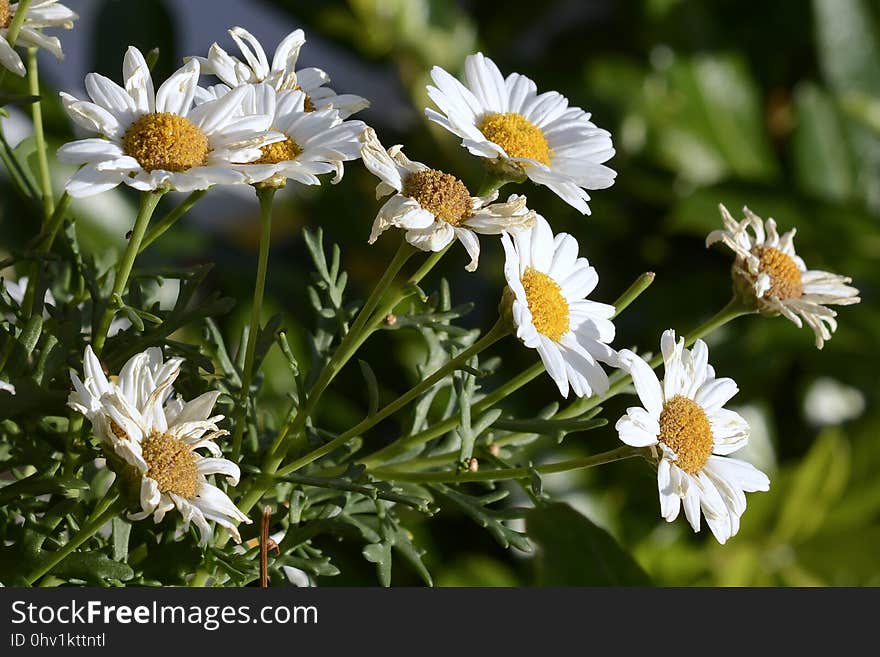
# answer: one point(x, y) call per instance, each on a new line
point(149, 201)
point(397, 448)
point(501, 474)
point(266, 196)
point(633, 292)
point(276, 454)
point(731, 311)
point(54, 223)
point(104, 512)
point(44, 245)
point(40, 138)
point(495, 333)
point(17, 22)
point(343, 353)
point(166, 222)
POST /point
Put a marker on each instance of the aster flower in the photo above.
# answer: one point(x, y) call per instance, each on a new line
point(158, 140)
point(281, 74)
point(684, 420)
point(433, 207)
point(157, 438)
point(537, 135)
point(40, 14)
point(770, 275)
point(314, 143)
point(550, 310)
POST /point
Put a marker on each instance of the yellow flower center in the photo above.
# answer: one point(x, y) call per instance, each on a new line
point(166, 141)
point(685, 429)
point(5, 14)
point(518, 136)
point(172, 465)
point(785, 275)
point(118, 431)
point(441, 194)
point(280, 151)
point(548, 307)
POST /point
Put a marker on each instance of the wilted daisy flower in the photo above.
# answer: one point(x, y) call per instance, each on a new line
point(685, 421)
point(7, 387)
point(157, 438)
point(769, 274)
point(158, 140)
point(433, 207)
point(314, 142)
point(551, 312)
point(40, 14)
point(538, 135)
point(282, 73)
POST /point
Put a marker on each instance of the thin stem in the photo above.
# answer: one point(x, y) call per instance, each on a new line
point(633, 292)
point(166, 222)
point(436, 430)
point(265, 195)
point(276, 454)
point(495, 333)
point(393, 450)
point(40, 138)
point(731, 311)
point(149, 201)
point(54, 223)
point(17, 22)
point(104, 511)
point(501, 474)
point(343, 353)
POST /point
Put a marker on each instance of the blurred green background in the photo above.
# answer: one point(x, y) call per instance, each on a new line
point(774, 105)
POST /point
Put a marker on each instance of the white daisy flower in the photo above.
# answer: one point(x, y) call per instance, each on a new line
point(159, 140)
point(551, 312)
point(314, 143)
point(157, 438)
point(433, 207)
point(7, 387)
point(40, 14)
point(281, 74)
point(770, 275)
point(531, 134)
point(684, 420)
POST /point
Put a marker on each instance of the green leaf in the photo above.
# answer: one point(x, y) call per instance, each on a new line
point(822, 157)
point(121, 533)
point(575, 552)
point(818, 483)
point(92, 567)
point(14, 99)
point(847, 45)
point(707, 122)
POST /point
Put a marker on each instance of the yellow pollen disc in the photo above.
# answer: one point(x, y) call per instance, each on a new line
point(172, 465)
point(685, 429)
point(548, 307)
point(441, 194)
point(5, 14)
point(785, 275)
point(280, 151)
point(166, 141)
point(518, 136)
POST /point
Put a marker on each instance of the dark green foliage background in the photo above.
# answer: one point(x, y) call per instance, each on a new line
point(773, 104)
